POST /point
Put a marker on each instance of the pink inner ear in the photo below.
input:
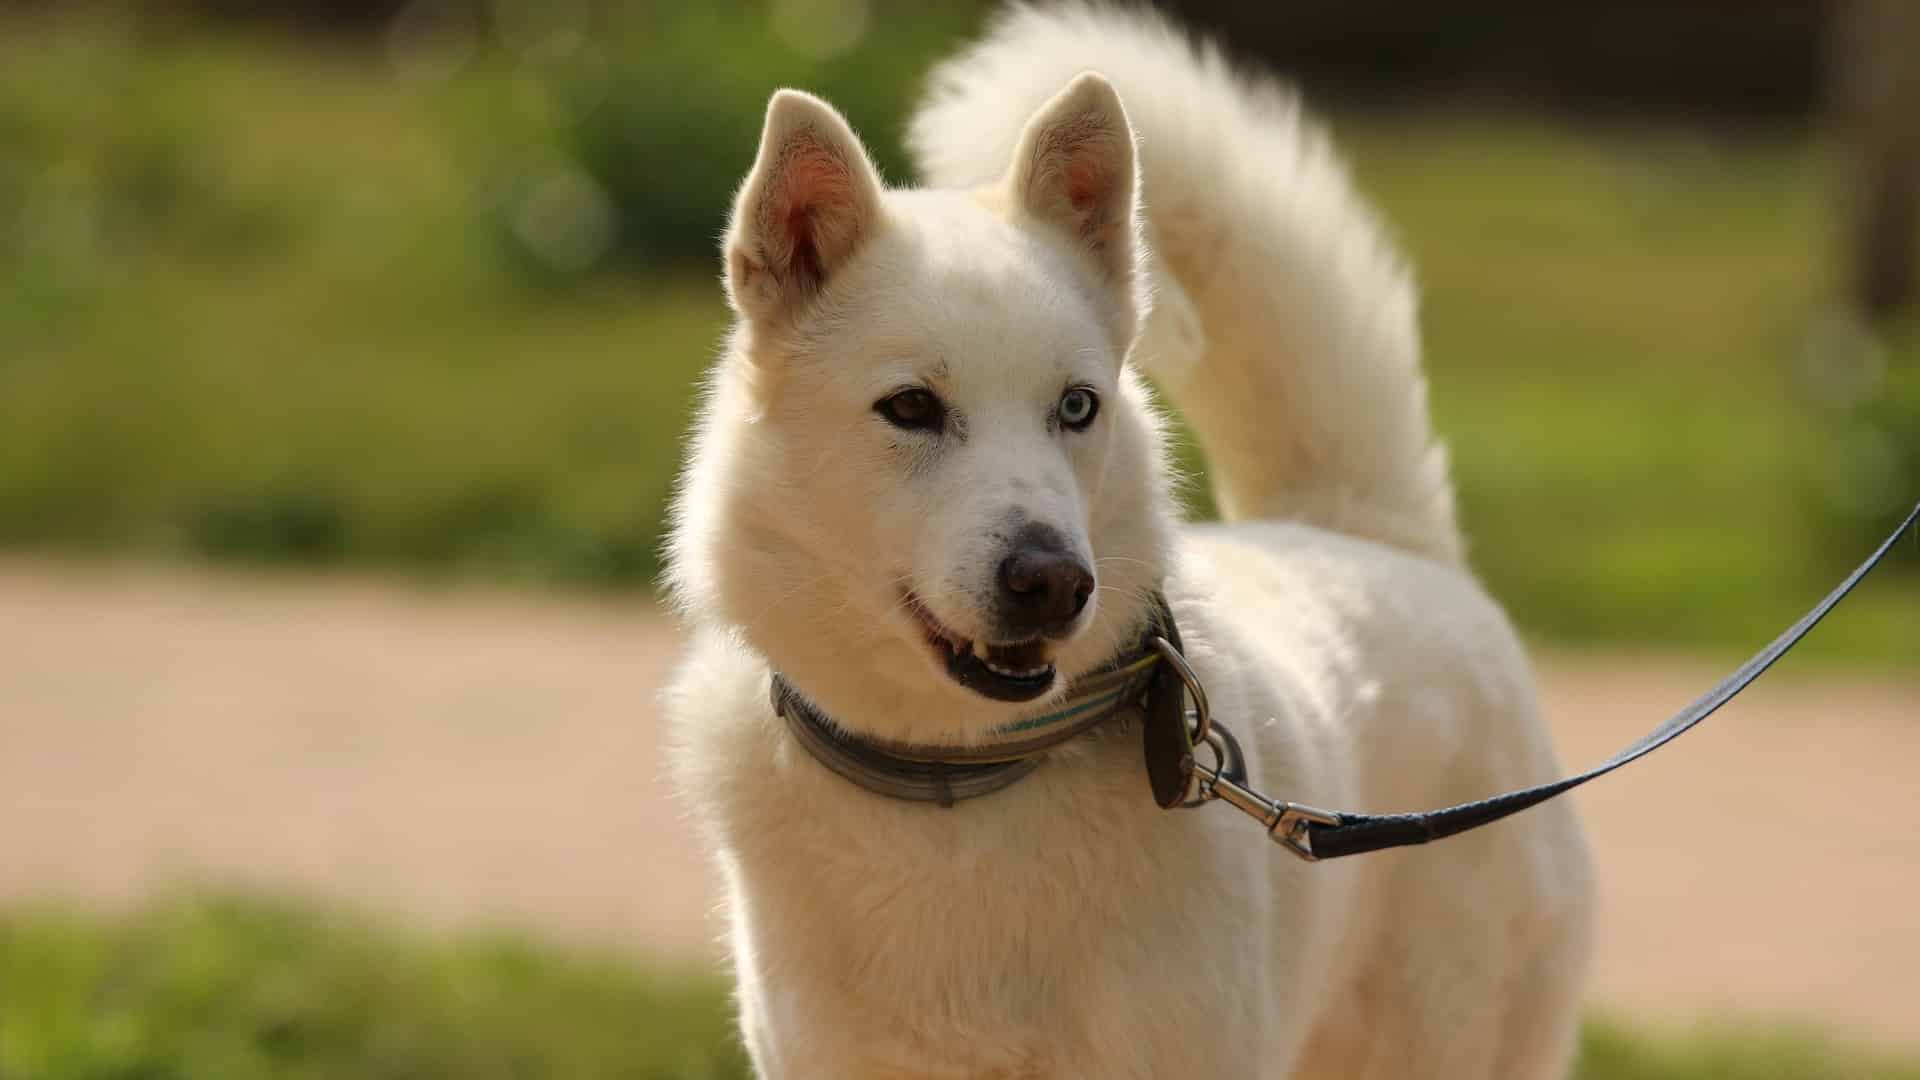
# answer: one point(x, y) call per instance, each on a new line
point(803, 255)
point(814, 209)
point(1088, 179)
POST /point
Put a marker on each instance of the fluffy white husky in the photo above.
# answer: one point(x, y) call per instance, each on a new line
point(929, 488)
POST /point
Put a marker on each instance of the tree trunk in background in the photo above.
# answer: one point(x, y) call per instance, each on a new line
point(1874, 80)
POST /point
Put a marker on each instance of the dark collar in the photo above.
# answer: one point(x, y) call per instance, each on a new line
point(949, 774)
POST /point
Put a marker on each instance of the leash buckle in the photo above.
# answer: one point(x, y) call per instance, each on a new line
point(1288, 824)
point(1294, 829)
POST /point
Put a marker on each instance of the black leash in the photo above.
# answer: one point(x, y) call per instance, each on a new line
point(1353, 834)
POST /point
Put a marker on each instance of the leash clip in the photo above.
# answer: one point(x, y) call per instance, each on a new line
point(1288, 824)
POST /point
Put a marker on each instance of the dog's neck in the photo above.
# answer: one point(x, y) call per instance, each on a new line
point(946, 774)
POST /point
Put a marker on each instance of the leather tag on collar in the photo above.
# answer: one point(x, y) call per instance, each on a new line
point(1169, 742)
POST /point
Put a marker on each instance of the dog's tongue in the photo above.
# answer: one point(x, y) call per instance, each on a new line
point(1031, 654)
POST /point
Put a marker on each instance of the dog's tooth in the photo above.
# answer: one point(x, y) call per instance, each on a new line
point(980, 650)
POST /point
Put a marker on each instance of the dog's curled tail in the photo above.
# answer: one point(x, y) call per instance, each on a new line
point(1284, 321)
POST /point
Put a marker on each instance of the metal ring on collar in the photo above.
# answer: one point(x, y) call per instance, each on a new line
point(1202, 715)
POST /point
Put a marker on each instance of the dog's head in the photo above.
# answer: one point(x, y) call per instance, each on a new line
point(926, 482)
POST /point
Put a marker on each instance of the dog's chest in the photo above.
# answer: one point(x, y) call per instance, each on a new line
point(982, 932)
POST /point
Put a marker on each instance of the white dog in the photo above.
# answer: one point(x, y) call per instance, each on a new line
point(929, 493)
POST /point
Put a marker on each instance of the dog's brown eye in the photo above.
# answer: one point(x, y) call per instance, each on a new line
point(914, 410)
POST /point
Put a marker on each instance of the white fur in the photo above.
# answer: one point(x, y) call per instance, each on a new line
point(1067, 927)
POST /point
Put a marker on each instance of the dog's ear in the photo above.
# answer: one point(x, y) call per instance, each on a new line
point(1074, 168)
point(812, 198)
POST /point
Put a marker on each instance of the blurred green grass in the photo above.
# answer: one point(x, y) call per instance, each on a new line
point(240, 988)
point(267, 303)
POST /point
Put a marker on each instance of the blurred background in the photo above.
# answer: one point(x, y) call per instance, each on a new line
point(346, 347)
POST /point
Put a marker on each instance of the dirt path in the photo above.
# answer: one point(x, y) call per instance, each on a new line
point(474, 757)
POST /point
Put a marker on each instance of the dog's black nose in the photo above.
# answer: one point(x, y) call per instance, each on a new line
point(1043, 587)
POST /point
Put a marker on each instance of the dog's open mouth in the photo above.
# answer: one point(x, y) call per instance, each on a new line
point(1001, 670)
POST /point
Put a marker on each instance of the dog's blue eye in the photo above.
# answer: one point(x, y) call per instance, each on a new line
point(1078, 407)
point(914, 410)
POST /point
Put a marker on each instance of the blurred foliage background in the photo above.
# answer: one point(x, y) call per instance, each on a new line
point(428, 285)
